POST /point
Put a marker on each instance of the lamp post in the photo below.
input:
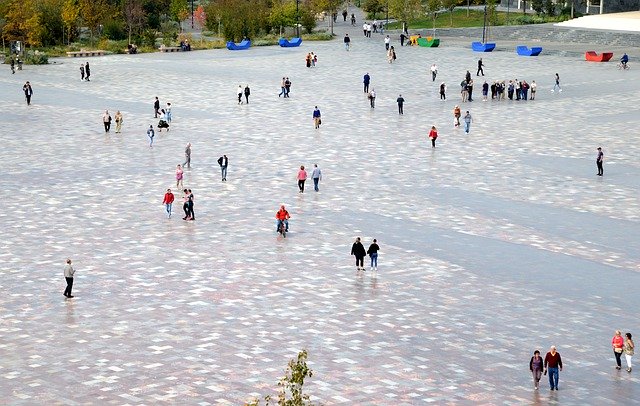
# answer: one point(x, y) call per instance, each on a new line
point(387, 25)
point(297, 19)
point(192, 26)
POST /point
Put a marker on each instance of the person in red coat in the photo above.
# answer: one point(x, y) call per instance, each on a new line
point(433, 134)
point(168, 201)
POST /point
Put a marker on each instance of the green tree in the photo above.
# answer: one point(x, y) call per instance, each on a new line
point(283, 14)
point(50, 21)
point(70, 16)
point(23, 22)
point(405, 10)
point(179, 11)
point(238, 19)
point(92, 13)
point(538, 6)
point(307, 19)
point(451, 6)
point(374, 7)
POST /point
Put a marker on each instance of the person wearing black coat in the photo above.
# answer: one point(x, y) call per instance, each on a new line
point(358, 250)
point(247, 93)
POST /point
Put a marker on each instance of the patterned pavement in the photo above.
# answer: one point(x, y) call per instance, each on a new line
point(494, 244)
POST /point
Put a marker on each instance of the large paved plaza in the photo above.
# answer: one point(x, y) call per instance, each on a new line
point(493, 244)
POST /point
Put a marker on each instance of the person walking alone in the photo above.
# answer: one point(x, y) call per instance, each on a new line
point(301, 177)
point(373, 254)
point(387, 42)
point(467, 122)
point(168, 202)
point(557, 84)
point(628, 350)
point(347, 41)
point(151, 133)
point(106, 120)
point(366, 80)
point(434, 72)
point(156, 107)
point(600, 161)
point(357, 250)
point(443, 89)
point(553, 363)
point(536, 365)
point(617, 343)
point(179, 176)
point(400, 101)
point(223, 161)
point(433, 135)
point(28, 92)
point(187, 156)
point(317, 117)
point(316, 175)
point(68, 276)
point(372, 98)
point(480, 68)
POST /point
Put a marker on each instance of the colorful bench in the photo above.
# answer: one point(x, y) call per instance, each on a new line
point(523, 50)
point(429, 42)
point(244, 44)
point(285, 43)
point(592, 56)
point(480, 47)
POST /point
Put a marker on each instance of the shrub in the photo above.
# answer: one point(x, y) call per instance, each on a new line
point(114, 30)
point(36, 58)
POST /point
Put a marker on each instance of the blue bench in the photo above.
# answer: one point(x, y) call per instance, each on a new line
point(480, 47)
point(232, 46)
point(526, 51)
point(285, 43)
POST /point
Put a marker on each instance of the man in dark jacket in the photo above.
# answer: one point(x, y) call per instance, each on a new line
point(357, 249)
point(223, 161)
point(247, 92)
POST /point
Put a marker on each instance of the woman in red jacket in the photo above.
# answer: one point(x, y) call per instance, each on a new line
point(168, 201)
point(433, 134)
point(617, 342)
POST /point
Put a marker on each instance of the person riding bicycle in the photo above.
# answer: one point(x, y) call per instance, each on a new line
point(624, 60)
point(283, 216)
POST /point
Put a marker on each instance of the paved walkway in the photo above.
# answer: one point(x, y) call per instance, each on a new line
point(494, 244)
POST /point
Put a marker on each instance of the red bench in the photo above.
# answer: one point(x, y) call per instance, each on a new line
point(593, 56)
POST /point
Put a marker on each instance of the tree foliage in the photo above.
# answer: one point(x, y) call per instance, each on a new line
point(53, 22)
point(70, 17)
point(406, 10)
point(374, 6)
